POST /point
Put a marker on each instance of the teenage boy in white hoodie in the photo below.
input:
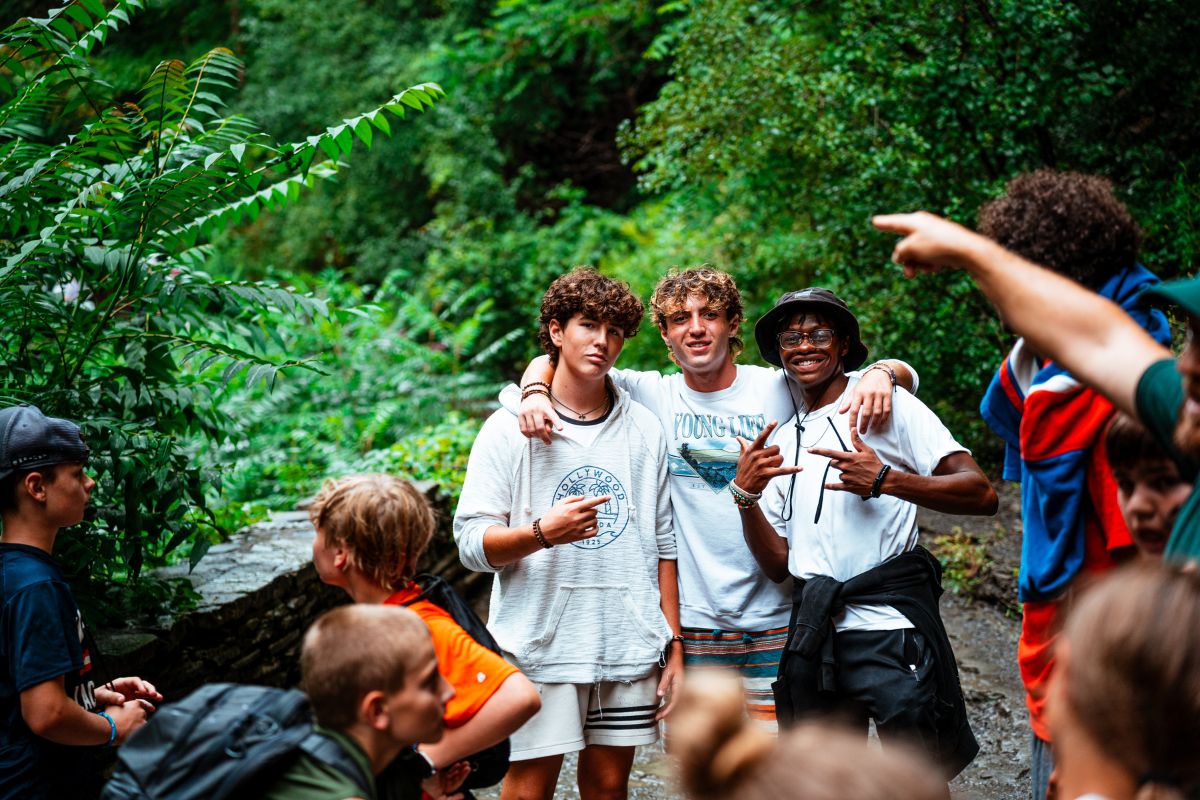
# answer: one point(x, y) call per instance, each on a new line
point(578, 533)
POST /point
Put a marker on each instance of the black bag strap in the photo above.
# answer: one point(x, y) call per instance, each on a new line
point(329, 752)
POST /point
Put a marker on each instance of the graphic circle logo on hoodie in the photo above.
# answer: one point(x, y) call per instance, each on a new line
point(612, 517)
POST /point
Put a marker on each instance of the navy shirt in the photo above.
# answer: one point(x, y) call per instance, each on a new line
point(41, 638)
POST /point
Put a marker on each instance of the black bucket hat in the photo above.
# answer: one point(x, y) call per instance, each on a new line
point(29, 440)
point(822, 301)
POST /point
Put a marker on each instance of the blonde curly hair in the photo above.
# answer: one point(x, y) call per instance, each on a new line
point(716, 287)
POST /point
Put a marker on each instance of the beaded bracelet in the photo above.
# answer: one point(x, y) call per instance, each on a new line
point(537, 534)
point(531, 392)
point(531, 384)
point(742, 498)
point(880, 365)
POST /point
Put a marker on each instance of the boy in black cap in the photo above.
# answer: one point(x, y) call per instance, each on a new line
point(866, 638)
point(48, 695)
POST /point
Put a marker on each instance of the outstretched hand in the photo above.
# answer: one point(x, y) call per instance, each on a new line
point(930, 243)
point(758, 463)
point(859, 466)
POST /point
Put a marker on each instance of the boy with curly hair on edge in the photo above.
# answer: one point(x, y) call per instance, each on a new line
point(578, 534)
point(1073, 529)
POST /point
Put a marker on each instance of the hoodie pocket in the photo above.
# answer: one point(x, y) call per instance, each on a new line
point(596, 625)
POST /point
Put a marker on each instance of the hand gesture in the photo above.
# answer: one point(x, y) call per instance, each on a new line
point(859, 466)
point(128, 717)
point(572, 519)
point(930, 243)
point(758, 464)
point(537, 417)
point(122, 690)
point(442, 784)
point(871, 400)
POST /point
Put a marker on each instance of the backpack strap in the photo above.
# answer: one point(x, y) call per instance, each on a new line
point(329, 752)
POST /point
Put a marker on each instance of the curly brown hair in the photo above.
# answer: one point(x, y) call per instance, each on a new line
point(1069, 222)
point(585, 291)
point(717, 288)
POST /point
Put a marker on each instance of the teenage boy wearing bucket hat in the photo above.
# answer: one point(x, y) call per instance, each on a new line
point(1088, 335)
point(50, 707)
point(836, 512)
point(733, 617)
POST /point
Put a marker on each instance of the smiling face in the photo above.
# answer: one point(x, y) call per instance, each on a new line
point(814, 367)
point(1150, 496)
point(587, 347)
point(698, 334)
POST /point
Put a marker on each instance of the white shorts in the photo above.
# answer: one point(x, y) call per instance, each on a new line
point(576, 715)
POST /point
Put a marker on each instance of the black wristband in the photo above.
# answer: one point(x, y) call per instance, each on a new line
point(877, 486)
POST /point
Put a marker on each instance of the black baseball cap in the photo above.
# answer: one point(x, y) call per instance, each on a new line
point(29, 439)
point(822, 301)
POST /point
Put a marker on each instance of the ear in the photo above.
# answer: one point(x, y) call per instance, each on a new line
point(735, 324)
point(35, 485)
point(341, 557)
point(373, 711)
point(556, 332)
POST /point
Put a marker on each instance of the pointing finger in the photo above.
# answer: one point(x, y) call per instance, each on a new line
point(764, 433)
point(836, 455)
point(592, 502)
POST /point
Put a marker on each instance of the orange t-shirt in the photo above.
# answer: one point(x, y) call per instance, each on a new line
point(474, 671)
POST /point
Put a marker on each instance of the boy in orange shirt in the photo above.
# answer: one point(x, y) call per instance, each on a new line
point(371, 531)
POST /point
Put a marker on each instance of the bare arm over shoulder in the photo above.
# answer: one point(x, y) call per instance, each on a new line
point(1087, 334)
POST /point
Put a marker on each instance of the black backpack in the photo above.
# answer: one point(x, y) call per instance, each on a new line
point(490, 765)
point(223, 741)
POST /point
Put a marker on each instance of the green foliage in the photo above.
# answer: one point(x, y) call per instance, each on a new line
point(106, 313)
point(391, 365)
point(790, 125)
point(964, 560)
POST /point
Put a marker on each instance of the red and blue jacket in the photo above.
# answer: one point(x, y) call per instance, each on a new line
point(1050, 424)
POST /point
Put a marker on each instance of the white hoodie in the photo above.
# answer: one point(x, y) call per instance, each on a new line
point(588, 611)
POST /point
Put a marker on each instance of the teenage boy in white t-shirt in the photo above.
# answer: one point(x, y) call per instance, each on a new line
point(733, 617)
point(838, 517)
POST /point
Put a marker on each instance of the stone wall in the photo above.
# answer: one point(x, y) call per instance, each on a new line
point(258, 594)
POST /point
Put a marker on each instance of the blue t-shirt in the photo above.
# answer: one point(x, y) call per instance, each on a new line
point(41, 638)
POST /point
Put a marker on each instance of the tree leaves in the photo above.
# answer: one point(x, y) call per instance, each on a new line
point(106, 313)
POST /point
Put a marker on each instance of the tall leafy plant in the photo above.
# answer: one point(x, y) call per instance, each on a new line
point(106, 314)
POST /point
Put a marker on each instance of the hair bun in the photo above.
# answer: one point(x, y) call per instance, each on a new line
point(715, 742)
